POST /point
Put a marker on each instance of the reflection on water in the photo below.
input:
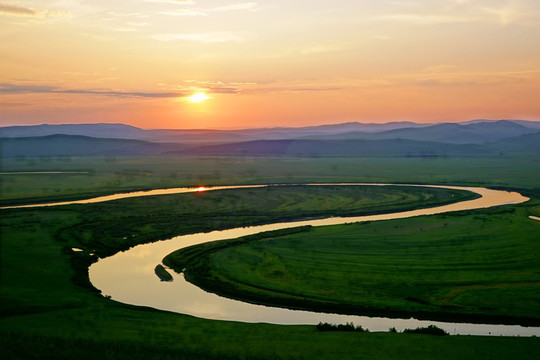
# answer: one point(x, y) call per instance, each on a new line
point(129, 277)
point(132, 194)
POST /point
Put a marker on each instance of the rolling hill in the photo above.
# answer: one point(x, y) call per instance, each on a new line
point(77, 145)
point(474, 132)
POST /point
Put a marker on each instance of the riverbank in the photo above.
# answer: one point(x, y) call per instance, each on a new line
point(433, 268)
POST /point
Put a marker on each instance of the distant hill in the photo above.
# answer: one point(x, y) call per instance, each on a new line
point(392, 147)
point(473, 133)
point(526, 123)
point(523, 143)
point(76, 145)
point(121, 131)
point(118, 131)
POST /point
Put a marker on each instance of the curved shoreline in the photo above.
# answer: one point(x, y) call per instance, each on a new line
point(128, 277)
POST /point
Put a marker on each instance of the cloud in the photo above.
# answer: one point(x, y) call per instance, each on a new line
point(501, 12)
point(17, 10)
point(207, 38)
point(424, 19)
point(7, 88)
point(12, 9)
point(250, 6)
point(234, 7)
point(506, 15)
point(447, 78)
point(184, 12)
point(326, 47)
point(177, 2)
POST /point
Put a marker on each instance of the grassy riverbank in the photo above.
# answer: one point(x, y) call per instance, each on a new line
point(479, 266)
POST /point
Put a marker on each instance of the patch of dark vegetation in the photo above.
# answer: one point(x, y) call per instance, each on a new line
point(430, 330)
point(348, 327)
point(80, 262)
point(162, 274)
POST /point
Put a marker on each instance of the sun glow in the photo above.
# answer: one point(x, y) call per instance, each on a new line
point(200, 189)
point(198, 97)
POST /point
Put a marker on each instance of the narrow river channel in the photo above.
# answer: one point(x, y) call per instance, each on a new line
point(129, 277)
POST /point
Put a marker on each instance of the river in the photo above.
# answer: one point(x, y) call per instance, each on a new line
point(129, 277)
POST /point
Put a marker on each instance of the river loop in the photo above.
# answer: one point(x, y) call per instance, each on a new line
point(129, 277)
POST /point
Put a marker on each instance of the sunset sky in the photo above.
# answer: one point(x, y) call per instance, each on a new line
point(271, 63)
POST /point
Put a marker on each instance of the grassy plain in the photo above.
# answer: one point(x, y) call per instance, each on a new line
point(49, 309)
point(112, 174)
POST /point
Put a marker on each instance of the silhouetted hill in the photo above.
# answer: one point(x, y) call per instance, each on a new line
point(76, 145)
point(526, 123)
point(392, 147)
point(523, 143)
point(117, 131)
point(473, 133)
point(121, 131)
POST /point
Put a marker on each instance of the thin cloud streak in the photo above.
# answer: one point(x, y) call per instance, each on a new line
point(183, 12)
point(207, 38)
point(12, 9)
point(234, 7)
point(7, 88)
point(246, 6)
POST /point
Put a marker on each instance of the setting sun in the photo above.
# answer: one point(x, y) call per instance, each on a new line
point(198, 97)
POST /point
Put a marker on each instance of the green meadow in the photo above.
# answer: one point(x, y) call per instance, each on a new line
point(466, 267)
point(110, 174)
point(50, 310)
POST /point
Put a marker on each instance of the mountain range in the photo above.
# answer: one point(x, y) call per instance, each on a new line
point(479, 137)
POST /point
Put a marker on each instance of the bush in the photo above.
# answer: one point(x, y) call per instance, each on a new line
point(349, 327)
point(430, 330)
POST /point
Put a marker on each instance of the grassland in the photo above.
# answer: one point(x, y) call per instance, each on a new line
point(113, 174)
point(468, 267)
point(49, 310)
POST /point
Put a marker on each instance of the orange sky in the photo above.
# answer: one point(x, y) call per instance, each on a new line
point(273, 63)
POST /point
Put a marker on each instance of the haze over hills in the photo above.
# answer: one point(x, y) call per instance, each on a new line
point(76, 145)
point(473, 132)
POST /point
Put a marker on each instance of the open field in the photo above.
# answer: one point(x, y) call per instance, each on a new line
point(113, 174)
point(46, 299)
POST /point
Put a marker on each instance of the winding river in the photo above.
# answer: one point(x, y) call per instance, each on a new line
point(129, 277)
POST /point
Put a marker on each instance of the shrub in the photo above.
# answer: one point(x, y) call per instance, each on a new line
point(430, 330)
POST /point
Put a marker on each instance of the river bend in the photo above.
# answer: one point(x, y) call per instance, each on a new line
point(129, 277)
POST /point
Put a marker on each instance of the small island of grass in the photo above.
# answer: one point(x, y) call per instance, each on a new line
point(162, 273)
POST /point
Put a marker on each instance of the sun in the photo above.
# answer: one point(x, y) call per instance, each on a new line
point(198, 97)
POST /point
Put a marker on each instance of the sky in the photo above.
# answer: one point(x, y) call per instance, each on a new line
point(271, 63)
